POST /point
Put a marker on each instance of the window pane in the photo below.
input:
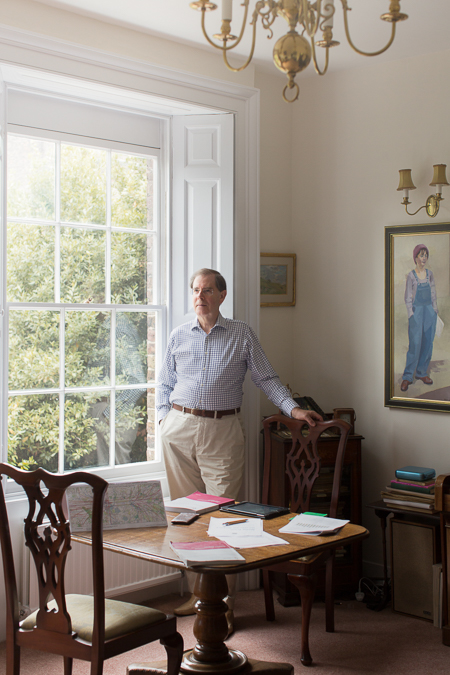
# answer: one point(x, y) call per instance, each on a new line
point(131, 347)
point(131, 191)
point(31, 178)
point(131, 268)
point(87, 348)
point(82, 265)
point(83, 185)
point(131, 404)
point(33, 431)
point(131, 424)
point(31, 263)
point(33, 349)
point(82, 424)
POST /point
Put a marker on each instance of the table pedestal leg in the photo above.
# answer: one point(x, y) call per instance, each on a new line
point(211, 654)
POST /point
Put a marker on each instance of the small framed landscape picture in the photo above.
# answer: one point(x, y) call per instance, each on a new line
point(277, 279)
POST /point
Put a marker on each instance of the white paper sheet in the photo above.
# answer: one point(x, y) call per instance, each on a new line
point(218, 527)
point(315, 525)
point(243, 535)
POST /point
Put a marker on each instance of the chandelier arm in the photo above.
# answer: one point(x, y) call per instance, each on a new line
point(316, 65)
point(266, 21)
point(236, 42)
point(238, 70)
point(359, 51)
point(311, 27)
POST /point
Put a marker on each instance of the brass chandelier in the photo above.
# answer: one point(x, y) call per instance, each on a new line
point(293, 52)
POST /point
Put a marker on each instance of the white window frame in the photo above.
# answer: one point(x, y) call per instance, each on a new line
point(160, 309)
point(155, 468)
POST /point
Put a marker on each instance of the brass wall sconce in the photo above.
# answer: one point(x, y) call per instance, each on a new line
point(432, 204)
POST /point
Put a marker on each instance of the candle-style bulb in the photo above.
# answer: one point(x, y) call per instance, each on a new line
point(227, 10)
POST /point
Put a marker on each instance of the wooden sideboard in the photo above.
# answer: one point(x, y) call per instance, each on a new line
point(348, 565)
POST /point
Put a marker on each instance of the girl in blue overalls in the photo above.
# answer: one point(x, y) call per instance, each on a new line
point(421, 305)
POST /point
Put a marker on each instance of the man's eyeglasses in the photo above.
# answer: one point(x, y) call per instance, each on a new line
point(205, 291)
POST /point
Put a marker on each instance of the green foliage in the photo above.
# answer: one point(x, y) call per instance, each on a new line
point(34, 349)
point(82, 265)
point(129, 261)
point(83, 185)
point(129, 190)
point(34, 360)
point(31, 263)
point(33, 432)
point(31, 178)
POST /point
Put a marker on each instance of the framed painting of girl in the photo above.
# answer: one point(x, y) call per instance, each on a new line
point(417, 363)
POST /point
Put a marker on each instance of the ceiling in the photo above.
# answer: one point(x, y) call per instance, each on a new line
point(425, 31)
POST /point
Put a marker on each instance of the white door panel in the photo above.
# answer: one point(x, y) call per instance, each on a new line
point(203, 207)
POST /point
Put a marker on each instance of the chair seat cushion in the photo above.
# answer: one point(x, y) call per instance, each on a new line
point(120, 617)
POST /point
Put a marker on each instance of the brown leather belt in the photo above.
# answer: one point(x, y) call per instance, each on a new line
point(217, 414)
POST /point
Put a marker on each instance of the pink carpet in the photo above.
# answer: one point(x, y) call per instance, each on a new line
point(381, 643)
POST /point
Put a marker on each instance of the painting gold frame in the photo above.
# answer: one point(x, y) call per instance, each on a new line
point(277, 279)
point(422, 343)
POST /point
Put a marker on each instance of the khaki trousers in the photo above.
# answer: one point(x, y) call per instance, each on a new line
point(204, 454)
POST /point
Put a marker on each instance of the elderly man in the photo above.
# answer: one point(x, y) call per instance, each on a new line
point(199, 395)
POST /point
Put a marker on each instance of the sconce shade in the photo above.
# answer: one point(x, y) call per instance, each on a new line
point(439, 177)
point(406, 180)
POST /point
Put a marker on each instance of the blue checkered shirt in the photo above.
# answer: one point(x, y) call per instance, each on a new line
point(207, 372)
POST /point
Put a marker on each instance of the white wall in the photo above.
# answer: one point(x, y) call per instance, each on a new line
point(276, 323)
point(351, 133)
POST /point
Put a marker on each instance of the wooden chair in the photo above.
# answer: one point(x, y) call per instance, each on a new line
point(302, 469)
point(90, 628)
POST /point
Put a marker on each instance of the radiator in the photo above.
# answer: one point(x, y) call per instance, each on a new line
point(122, 574)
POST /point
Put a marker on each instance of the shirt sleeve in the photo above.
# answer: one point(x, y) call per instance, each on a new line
point(166, 382)
point(264, 376)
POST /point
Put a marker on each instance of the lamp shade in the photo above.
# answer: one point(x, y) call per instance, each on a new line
point(406, 180)
point(439, 177)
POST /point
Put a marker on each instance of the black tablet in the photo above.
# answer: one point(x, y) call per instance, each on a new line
point(265, 511)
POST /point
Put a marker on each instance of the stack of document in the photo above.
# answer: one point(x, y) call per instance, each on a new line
point(242, 532)
point(207, 553)
point(315, 525)
point(197, 502)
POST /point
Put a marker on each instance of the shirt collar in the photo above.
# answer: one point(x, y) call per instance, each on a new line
point(195, 324)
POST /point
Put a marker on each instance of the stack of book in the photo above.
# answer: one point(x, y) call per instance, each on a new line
point(412, 489)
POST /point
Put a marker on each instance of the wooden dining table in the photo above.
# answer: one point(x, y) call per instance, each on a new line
point(211, 654)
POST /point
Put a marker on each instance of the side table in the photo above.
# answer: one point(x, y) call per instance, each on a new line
point(383, 511)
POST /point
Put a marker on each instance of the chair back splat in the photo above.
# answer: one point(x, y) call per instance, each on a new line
point(303, 460)
point(90, 628)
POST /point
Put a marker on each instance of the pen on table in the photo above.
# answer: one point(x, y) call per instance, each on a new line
point(236, 522)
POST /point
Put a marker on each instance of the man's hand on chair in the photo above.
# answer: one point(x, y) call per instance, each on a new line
point(309, 416)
